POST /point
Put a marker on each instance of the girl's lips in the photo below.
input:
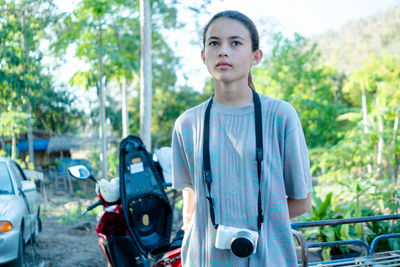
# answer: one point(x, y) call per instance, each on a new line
point(223, 65)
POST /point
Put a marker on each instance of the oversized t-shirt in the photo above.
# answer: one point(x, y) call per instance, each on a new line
point(285, 173)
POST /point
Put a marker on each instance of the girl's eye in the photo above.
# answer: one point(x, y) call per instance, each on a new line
point(236, 43)
point(213, 43)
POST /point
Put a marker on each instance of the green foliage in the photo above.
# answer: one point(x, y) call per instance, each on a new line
point(23, 77)
point(26, 163)
point(13, 123)
point(328, 208)
point(72, 214)
point(112, 157)
point(292, 73)
point(356, 153)
point(167, 106)
point(116, 22)
point(380, 228)
point(364, 136)
point(379, 77)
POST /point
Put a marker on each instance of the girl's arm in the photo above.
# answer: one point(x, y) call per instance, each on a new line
point(189, 207)
point(299, 206)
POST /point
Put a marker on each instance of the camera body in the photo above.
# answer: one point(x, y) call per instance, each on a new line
point(242, 242)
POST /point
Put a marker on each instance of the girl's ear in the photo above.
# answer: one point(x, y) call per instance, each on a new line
point(257, 56)
point(203, 56)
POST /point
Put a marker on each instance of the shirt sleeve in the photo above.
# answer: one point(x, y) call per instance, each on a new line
point(296, 160)
point(181, 177)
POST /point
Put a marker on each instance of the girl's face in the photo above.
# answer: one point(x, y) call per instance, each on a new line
point(227, 51)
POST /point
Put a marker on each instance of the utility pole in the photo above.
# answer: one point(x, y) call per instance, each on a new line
point(146, 96)
point(29, 111)
point(103, 133)
point(125, 115)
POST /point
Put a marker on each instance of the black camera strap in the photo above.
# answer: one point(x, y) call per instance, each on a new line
point(259, 157)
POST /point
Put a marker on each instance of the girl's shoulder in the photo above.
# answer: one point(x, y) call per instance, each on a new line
point(191, 116)
point(278, 106)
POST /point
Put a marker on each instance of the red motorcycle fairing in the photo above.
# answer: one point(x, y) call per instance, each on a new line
point(112, 221)
point(102, 241)
point(113, 238)
point(170, 259)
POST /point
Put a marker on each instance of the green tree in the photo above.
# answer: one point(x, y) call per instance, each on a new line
point(106, 34)
point(12, 124)
point(25, 83)
point(292, 72)
point(167, 106)
point(369, 142)
point(374, 88)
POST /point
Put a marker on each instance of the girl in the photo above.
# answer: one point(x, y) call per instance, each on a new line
point(239, 173)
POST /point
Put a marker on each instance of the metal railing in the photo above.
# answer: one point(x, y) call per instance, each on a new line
point(371, 258)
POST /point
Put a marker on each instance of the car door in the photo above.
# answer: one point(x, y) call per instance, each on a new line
point(29, 196)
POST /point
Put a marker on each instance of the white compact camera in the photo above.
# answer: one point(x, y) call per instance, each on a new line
point(242, 242)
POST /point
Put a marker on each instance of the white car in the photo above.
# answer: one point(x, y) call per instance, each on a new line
point(19, 212)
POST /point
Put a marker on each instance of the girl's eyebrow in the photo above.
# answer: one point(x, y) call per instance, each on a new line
point(230, 37)
point(236, 37)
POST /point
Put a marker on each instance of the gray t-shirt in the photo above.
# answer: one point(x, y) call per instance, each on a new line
point(285, 173)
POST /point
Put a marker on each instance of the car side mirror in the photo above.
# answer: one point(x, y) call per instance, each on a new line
point(28, 186)
point(81, 172)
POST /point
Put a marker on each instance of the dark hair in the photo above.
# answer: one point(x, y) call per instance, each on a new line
point(248, 23)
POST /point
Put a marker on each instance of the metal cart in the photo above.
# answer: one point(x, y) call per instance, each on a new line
point(369, 258)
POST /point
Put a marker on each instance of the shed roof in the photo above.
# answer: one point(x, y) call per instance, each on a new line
point(61, 143)
point(39, 144)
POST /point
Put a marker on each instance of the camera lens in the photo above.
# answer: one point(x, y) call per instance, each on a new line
point(242, 244)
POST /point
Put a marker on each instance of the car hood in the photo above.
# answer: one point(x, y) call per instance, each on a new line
point(6, 203)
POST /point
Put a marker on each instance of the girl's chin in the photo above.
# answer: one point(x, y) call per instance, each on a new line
point(224, 79)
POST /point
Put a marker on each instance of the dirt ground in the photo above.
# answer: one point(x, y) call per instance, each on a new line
point(65, 242)
point(62, 242)
point(63, 245)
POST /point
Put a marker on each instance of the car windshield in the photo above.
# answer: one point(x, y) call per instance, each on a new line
point(5, 180)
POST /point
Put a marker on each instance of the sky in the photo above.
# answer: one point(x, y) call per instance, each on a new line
point(306, 17)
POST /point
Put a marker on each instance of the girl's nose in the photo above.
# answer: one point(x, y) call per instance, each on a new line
point(223, 51)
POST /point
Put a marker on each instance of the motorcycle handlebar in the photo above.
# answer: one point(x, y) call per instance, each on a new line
point(94, 205)
point(165, 184)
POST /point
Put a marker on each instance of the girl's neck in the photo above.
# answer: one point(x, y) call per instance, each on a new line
point(235, 95)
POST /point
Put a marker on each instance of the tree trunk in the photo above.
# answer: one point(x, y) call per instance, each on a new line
point(364, 111)
point(145, 74)
point(14, 147)
point(103, 133)
point(379, 155)
point(125, 115)
point(395, 165)
point(30, 136)
point(365, 124)
point(3, 144)
point(26, 50)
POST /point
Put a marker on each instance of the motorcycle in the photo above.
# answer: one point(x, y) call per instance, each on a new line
point(134, 228)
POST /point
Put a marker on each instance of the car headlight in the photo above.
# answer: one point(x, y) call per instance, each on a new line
point(5, 226)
